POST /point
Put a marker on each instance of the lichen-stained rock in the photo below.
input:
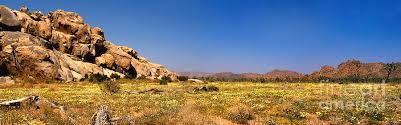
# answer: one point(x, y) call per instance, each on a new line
point(142, 69)
point(106, 60)
point(8, 49)
point(33, 61)
point(8, 20)
point(73, 70)
point(44, 29)
point(81, 50)
point(37, 15)
point(97, 40)
point(25, 20)
point(36, 24)
point(130, 51)
point(67, 22)
point(83, 34)
point(62, 41)
point(31, 52)
point(20, 39)
point(97, 31)
point(122, 59)
point(24, 9)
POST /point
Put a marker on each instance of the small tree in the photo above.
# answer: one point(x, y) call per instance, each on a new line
point(390, 68)
point(165, 80)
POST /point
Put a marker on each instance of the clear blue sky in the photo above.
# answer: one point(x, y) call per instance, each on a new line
point(244, 35)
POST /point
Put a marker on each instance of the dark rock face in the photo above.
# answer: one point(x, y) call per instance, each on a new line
point(61, 46)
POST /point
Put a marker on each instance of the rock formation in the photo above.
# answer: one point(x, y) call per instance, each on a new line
point(355, 68)
point(60, 45)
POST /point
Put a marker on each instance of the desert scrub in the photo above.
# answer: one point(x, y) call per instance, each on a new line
point(240, 115)
point(264, 102)
point(165, 80)
point(110, 87)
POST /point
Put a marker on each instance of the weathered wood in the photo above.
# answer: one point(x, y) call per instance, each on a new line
point(21, 103)
point(151, 91)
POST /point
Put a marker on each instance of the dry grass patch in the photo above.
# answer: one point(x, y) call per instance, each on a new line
point(234, 103)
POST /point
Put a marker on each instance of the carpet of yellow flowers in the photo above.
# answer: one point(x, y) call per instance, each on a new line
point(234, 103)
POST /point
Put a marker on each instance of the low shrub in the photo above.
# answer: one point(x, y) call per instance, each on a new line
point(240, 115)
point(163, 82)
point(110, 87)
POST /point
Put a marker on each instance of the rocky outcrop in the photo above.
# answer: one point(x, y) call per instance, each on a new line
point(62, 46)
point(283, 74)
point(355, 68)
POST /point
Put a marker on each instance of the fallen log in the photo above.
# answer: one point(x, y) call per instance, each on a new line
point(38, 103)
point(151, 91)
point(21, 103)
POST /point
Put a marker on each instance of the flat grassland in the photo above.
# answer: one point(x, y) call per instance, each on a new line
point(234, 103)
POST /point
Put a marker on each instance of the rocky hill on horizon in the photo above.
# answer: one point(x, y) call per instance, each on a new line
point(61, 46)
point(356, 68)
point(348, 69)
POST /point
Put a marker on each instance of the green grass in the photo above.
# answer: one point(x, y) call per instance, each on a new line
point(254, 103)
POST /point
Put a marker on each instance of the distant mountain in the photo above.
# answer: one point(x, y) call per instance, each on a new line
point(229, 75)
point(195, 74)
point(347, 69)
point(283, 74)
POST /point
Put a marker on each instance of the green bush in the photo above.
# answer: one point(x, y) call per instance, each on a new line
point(182, 78)
point(97, 77)
point(115, 76)
point(165, 80)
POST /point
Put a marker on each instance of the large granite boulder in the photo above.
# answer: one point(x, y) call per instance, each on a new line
point(61, 46)
point(8, 20)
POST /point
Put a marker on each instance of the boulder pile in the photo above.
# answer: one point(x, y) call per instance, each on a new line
point(61, 46)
